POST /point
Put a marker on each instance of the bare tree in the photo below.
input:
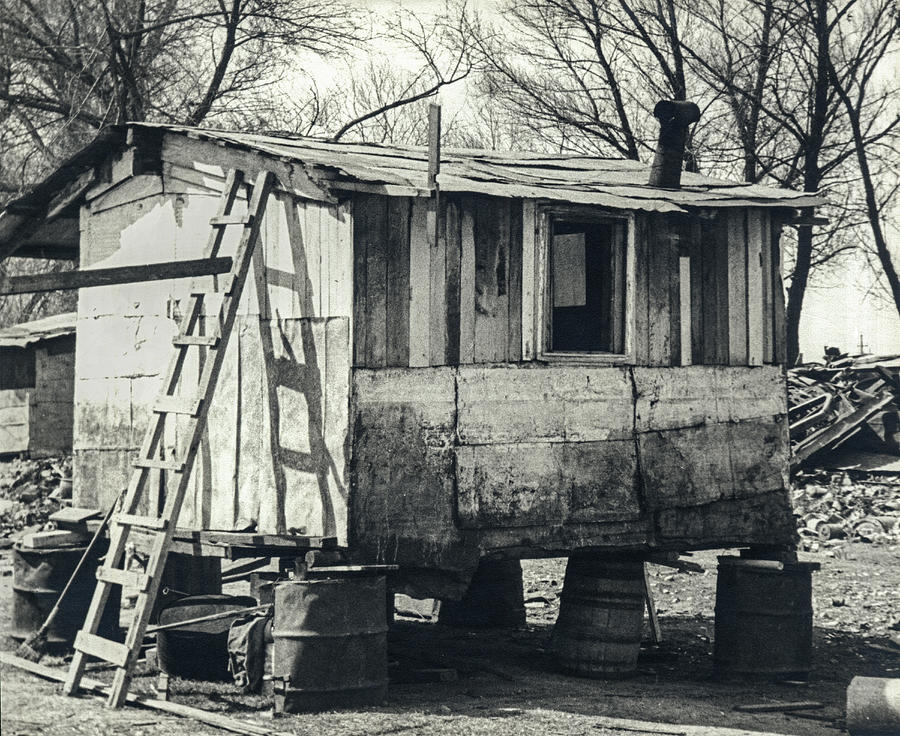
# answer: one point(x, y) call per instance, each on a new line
point(71, 68)
point(583, 74)
point(868, 49)
point(389, 88)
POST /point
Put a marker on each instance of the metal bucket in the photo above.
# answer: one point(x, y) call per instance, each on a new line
point(494, 598)
point(39, 576)
point(198, 651)
point(763, 617)
point(601, 612)
point(330, 644)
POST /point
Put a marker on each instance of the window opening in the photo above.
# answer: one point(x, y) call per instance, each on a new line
point(587, 286)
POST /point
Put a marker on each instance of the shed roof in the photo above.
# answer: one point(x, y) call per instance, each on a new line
point(578, 179)
point(617, 183)
point(25, 333)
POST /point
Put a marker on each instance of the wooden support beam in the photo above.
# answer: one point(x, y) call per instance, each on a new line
point(655, 630)
point(117, 275)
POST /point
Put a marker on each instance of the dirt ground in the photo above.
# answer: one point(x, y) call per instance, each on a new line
point(508, 683)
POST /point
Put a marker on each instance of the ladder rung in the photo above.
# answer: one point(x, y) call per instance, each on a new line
point(223, 220)
point(117, 576)
point(172, 465)
point(105, 649)
point(146, 522)
point(207, 340)
point(189, 405)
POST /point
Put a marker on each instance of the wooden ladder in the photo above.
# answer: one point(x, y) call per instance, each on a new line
point(195, 408)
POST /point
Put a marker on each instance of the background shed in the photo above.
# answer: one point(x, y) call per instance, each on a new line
point(37, 374)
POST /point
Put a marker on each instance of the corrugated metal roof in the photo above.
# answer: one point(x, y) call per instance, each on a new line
point(26, 333)
point(614, 183)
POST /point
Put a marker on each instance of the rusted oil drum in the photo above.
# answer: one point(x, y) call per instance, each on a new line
point(494, 598)
point(198, 651)
point(39, 576)
point(763, 617)
point(330, 644)
point(601, 612)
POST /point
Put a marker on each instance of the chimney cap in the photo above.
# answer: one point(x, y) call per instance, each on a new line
point(683, 112)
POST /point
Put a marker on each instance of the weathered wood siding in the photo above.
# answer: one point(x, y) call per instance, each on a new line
point(274, 449)
point(37, 416)
point(15, 419)
point(711, 282)
point(52, 401)
point(421, 300)
point(453, 461)
point(733, 295)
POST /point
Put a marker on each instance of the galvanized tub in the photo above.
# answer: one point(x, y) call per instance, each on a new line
point(601, 613)
point(494, 598)
point(763, 617)
point(198, 651)
point(39, 576)
point(330, 644)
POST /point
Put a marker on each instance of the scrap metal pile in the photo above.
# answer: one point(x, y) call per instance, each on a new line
point(845, 440)
point(834, 508)
point(845, 400)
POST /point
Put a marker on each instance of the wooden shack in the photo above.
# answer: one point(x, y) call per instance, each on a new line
point(548, 354)
point(37, 376)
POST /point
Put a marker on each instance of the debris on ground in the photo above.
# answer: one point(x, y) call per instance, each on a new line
point(832, 508)
point(31, 490)
point(845, 401)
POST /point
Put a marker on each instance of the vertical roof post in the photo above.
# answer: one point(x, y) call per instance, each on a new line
point(434, 145)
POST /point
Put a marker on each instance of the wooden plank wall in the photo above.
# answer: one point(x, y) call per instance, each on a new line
point(730, 267)
point(423, 298)
point(706, 290)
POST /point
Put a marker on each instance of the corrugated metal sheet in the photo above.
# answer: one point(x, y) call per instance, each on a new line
point(616, 183)
point(26, 333)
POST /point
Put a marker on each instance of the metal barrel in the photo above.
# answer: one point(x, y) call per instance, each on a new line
point(494, 598)
point(198, 651)
point(601, 612)
point(330, 646)
point(763, 618)
point(39, 576)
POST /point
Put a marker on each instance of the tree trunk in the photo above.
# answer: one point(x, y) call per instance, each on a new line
point(797, 289)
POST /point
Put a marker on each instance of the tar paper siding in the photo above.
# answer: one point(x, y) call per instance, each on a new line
point(274, 449)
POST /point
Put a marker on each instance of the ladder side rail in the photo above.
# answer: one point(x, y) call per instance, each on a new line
point(211, 370)
point(233, 183)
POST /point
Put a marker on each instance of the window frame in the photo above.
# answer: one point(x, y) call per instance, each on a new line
point(546, 215)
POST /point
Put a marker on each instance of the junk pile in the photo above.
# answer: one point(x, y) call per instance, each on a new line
point(31, 490)
point(845, 403)
point(832, 508)
point(845, 442)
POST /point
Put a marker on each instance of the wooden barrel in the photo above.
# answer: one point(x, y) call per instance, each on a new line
point(601, 612)
point(494, 598)
point(330, 644)
point(763, 617)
